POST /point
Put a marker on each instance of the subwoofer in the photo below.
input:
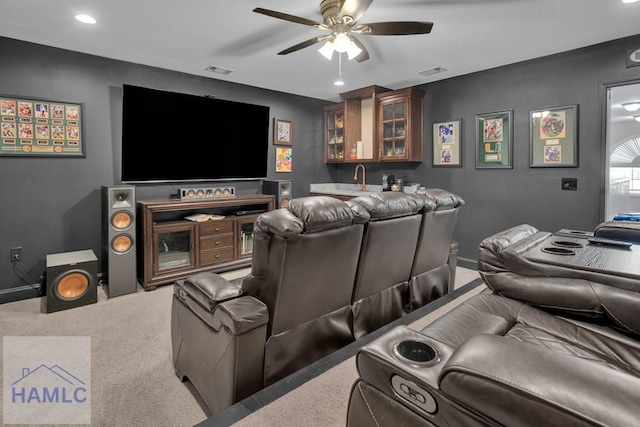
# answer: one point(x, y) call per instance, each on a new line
point(119, 240)
point(283, 190)
point(71, 281)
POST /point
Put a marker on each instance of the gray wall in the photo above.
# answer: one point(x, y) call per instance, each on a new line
point(52, 205)
point(498, 198)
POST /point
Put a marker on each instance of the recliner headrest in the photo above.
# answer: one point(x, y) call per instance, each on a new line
point(319, 213)
point(443, 199)
point(390, 204)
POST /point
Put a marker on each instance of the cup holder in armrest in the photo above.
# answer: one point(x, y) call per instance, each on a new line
point(567, 244)
point(416, 353)
point(558, 251)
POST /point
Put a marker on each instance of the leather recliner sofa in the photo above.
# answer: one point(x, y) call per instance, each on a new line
point(230, 339)
point(546, 345)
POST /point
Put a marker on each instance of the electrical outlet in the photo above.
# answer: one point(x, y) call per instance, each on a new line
point(16, 254)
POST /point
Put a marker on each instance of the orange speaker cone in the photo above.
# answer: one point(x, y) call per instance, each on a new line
point(121, 243)
point(72, 285)
point(191, 193)
point(121, 220)
point(200, 193)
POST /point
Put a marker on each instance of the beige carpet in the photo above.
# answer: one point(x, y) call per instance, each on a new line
point(133, 382)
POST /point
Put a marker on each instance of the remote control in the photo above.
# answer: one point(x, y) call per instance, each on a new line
point(609, 242)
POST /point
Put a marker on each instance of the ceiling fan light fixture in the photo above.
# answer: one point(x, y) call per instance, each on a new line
point(327, 50)
point(631, 106)
point(341, 42)
point(353, 51)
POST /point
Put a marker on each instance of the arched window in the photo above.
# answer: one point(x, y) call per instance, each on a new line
point(624, 164)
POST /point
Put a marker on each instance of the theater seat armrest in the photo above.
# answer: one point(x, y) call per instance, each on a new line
point(207, 289)
point(504, 378)
point(242, 314)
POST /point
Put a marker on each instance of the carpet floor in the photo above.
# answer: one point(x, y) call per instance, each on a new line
point(132, 378)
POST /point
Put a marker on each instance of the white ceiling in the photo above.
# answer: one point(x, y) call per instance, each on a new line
point(189, 35)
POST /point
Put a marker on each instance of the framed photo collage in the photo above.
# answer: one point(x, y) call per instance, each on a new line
point(32, 127)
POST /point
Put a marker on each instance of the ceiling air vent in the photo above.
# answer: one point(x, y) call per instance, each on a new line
point(218, 70)
point(431, 71)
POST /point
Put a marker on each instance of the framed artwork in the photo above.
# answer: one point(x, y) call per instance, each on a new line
point(494, 140)
point(554, 137)
point(282, 132)
point(283, 159)
point(447, 147)
point(38, 127)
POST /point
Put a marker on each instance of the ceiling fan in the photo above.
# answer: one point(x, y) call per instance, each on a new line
point(341, 18)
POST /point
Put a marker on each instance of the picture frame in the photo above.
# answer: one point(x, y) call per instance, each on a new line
point(553, 137)
point(33, 127)
point(284, 161)
point(447, 144)
point(494, 140)
point(282, 132)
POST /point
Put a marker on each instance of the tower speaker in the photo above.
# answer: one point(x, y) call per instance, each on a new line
point(70, 281)
point(119, 239)
point(283, 191)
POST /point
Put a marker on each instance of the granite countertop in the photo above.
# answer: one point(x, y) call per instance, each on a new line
point(343, 189)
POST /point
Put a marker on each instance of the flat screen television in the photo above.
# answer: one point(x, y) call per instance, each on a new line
point(174, 137)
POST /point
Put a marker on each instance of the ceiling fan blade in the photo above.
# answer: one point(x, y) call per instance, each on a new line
point(355, 8)
point(394, 28)
point(364, 55)
point(304, 44)
point(290, 18)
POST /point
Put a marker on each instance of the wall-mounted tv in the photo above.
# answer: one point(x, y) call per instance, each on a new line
point(173, 137)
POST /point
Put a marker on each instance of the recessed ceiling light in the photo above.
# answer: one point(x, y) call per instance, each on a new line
point(86, 19)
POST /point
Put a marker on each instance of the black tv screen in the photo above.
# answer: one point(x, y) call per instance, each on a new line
point(172, 137)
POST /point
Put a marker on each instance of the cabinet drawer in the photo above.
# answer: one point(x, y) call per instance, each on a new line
point(216, 241)
point(216, 255)
point(216, 228)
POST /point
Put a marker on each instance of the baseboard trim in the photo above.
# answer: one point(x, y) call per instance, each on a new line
point(19, 293)
point(469, 263)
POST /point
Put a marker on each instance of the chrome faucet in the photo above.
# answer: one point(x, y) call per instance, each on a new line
point(363, 187)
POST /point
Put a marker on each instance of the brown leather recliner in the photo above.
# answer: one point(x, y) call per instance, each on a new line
point(381, 292)
point(433, 273)
point(549, 346)
point(294, 309)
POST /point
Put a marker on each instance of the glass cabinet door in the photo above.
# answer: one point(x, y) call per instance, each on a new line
point(394, 126)
point(245, 236)
point(174, 248)
point(334, 122)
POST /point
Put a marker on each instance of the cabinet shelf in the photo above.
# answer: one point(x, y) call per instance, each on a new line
point(173, 247)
